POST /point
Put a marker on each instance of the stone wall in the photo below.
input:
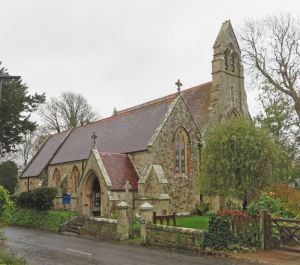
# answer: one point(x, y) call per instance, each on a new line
point(65, 169)
point(160, 206)
point(101, 228)
point(26, 184)
point(182, 188)
point(174, 237)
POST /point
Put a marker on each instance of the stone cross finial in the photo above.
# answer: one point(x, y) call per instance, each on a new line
point(94, 137)
point(179, 85)
point(127, 187)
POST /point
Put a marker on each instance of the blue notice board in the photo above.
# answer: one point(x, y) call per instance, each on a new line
point(66, 198)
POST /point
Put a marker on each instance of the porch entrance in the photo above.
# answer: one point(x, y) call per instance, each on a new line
point(96, 198)
point(91, 195)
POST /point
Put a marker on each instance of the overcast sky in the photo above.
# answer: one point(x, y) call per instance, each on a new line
point(119, 53)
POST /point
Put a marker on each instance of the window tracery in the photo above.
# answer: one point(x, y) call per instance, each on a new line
point(74, 179)
point(56, 176)
point(181, 151)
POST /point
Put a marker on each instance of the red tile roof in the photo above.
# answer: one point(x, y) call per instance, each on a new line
point(119, 168)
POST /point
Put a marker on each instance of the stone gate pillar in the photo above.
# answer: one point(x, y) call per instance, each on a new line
point(146, 210)
point(123, 221)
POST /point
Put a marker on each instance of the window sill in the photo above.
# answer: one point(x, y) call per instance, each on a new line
point(181, 175)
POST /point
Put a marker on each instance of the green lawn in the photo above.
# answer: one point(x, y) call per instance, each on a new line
point(49, 221)
point(193, 221)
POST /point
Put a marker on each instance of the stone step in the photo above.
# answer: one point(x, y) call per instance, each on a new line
point(69, 233)
point(73, 230)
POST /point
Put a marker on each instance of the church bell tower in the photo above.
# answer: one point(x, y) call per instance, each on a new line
point(228, 94)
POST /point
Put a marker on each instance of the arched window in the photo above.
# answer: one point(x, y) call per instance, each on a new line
point(231, 59)
point(232, 62)
point(56, 176)
point(181, 151)
point(74, 179)
point(226, 59)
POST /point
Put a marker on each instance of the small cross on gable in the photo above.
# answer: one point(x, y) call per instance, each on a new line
point(94, 137)
point(179, 85)
point(127, 187)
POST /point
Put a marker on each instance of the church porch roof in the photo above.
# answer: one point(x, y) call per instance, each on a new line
point(119, 169)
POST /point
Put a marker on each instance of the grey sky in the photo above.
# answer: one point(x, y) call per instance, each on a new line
point(119, 53)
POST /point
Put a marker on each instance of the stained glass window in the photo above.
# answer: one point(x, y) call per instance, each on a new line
point(180, 152)
point(177, 164)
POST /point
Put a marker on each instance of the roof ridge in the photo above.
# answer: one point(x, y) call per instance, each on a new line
point(170, 96)
point(141, 106)
point(111, 153)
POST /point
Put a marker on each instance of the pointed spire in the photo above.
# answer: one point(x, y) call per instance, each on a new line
point(179, 85)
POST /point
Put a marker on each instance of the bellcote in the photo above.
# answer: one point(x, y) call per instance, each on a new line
point(227, 54)
point(228, 73)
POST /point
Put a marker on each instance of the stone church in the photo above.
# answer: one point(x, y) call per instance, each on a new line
point(146, 153)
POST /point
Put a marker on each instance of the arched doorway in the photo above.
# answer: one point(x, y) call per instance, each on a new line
point(92, 195)
point(96, 198)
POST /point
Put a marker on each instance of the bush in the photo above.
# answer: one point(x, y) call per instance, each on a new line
point(9, 175)
point(267, 201)
point(6, 206)
point(202, 208)
point(40, 220)
point(289, 196)
point(40, 199)
point(5, 258)
point(219, 235)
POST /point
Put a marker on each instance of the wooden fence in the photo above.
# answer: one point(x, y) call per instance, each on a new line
point(276, 232)
point(162, 218)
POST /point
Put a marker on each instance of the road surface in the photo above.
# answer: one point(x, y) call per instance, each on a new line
point(41, 248)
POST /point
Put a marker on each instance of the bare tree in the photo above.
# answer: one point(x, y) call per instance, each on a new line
point(68, 111)
point(271, 52)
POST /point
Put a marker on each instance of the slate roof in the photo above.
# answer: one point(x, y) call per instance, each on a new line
point(44, 155)
point(128, 131)
point(123, 133)
point(119, 168)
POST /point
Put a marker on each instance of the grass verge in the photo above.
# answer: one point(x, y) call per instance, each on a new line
point(7, 259)
point(48, 221)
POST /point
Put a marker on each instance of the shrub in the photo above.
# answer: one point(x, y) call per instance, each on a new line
point(9, 175)
point(266, 201)
point(289, 196)
point(219, 235)
point(232, 213)
point(40, 199)
point(6, 206)
point(6, 258)
point(244, 227)
point(202, 208)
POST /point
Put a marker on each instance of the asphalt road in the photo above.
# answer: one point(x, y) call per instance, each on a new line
point(41, 248)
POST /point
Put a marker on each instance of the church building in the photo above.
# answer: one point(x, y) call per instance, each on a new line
point(146, 153)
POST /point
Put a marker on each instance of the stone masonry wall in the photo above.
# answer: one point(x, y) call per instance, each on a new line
point(174, 237)
point(25, 183)
point(64, 169)
point(101, 228)
point(182, 188)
